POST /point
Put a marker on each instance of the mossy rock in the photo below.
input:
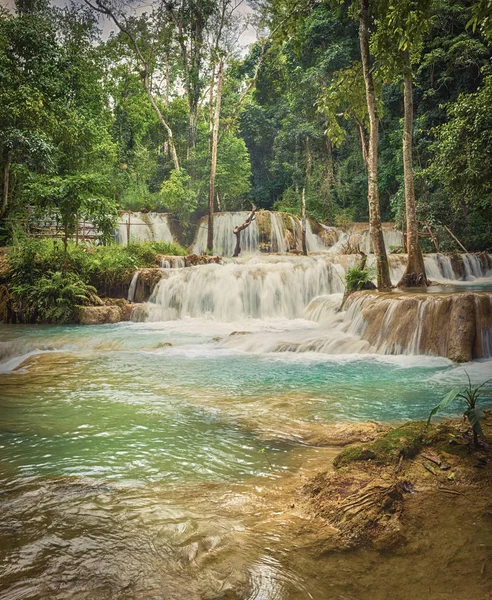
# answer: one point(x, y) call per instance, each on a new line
point(405, 441)
point(264, 222)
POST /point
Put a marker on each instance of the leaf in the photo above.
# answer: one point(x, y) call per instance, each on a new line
point(445, 402)
point(474, 415)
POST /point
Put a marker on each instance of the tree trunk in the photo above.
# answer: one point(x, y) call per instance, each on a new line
point(237, 230)
point(163, 122)
point(363, 144)
point(213, 167)
point(6, 182)
point(65, 246)
point(303, 225)
point(383, 276)
point(414, 274)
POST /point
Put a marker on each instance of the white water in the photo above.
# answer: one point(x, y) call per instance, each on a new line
point(392, 239)
point(172, 262)
point(225, 241)
point(133, 285)
point(278, 243)
point(143, 228)
point(224, 238)
point(292, 301)
point(262, 287)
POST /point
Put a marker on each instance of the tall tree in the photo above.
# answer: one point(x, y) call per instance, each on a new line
point(398, 43)
point(120, 21)
point(383, 275)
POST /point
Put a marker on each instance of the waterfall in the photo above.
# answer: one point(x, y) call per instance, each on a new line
point(172, 262)
point(133, 285)
point(280, 232)
point(144, 227)
point(392, 239)
point(224, 238)
point(473, 266)
point(274, 288)
point(278, 243)
point(262, 287)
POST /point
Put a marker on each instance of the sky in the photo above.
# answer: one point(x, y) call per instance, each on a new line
point(247, 38)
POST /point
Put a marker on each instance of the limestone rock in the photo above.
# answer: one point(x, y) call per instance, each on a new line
point(98, 315)
point(462, 328)
point(455, 326)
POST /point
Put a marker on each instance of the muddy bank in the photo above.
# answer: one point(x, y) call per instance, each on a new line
point(382, 494)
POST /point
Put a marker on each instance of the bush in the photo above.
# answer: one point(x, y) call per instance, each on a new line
point(356, 278)
point(46, 289)
point(53, 298)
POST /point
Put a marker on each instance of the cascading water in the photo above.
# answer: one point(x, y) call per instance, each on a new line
point(283, 233)
point(133, 285)
point(224, 238)
point(269, 287)
point(392, 239)
point(263, 288)
point(143, 227)
point(278, 243)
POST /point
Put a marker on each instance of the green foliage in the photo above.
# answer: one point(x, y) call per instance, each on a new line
point(462, 163)
point(177, 196)
point(481, 18)
point(356, 278)
point(74, 197)
point(470, 395)
point(35, 266)
point(53, 297)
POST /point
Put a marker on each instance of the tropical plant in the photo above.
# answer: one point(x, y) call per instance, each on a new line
point(473, 413)
point(356, 278)
point(54, 297)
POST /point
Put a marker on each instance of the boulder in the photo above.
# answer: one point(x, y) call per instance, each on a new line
point(99, 315)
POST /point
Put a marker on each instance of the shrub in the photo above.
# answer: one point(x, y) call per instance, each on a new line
point(54, 297)
point(356, 278)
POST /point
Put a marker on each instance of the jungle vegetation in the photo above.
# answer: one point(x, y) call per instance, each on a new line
point(169, 113)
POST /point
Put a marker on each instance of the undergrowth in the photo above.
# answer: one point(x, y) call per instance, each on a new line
point(46, 288)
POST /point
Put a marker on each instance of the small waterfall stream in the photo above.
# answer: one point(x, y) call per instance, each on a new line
point(143, 227)
point(280, 232)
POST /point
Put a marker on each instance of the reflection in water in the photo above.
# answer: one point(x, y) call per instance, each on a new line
point(135, 469)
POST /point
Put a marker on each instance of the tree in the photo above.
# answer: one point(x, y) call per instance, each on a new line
point(462, 163)
point(398, 43)
point(73, 197)
point(177, 196)
point(121, 22)
point(383, 276)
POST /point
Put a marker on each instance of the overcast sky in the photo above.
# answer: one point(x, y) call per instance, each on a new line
point(247, 38)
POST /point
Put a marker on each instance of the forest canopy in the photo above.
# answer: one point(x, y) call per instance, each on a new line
point(92, 123)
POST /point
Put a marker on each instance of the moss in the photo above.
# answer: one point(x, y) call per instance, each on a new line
point(265, 228)
point(405, 441)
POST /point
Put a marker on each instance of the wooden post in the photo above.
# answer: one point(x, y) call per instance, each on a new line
point(455, 238)
point(435, 241)
point(128, 230)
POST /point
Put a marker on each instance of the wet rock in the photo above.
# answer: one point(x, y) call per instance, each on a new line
point(99, 315)
point(147, 280)
point(452, 325)
point(461, 328)
point(194, 259)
